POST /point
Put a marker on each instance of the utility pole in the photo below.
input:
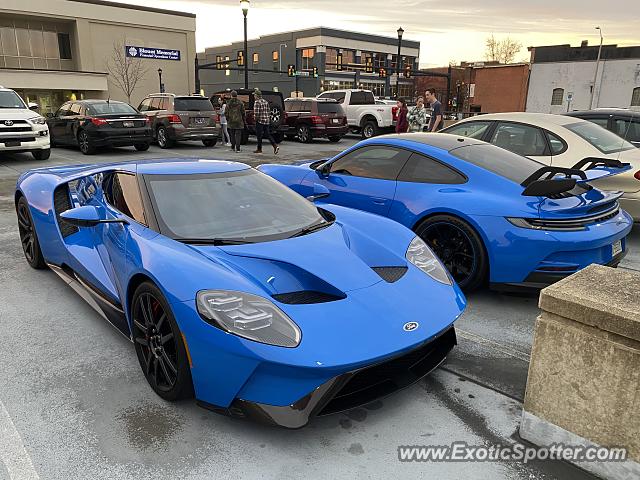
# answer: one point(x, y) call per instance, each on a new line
point(595, 75)
point(398, 62)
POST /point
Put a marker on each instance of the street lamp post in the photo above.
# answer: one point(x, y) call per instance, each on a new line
point(595, 75)
point(160, 79)
point(244, 5)
point(280, 55)
point(400, 32)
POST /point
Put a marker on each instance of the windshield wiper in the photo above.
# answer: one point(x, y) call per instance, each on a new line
point(212, 241)
point(311, 228)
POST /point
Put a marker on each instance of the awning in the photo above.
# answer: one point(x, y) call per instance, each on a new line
point(52, 80)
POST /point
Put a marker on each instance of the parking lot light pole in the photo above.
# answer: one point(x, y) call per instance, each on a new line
point(160, 79)
point(244, 4)
point(595, 75)
point(400, 32)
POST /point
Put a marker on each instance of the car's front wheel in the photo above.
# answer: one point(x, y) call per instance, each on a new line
point(41, 154)
point(28, 236)
point(159, 344)
point(334, 138)
point(210, 143)
point(304, 134)
point(458, 246)
point(142, 147)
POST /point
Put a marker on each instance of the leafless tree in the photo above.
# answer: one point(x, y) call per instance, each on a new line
point(503, 51)
point(126, 72)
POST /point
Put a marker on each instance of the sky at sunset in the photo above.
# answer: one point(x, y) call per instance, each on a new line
point(448, 31)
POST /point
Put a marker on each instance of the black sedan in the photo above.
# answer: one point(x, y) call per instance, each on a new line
point(91, 124)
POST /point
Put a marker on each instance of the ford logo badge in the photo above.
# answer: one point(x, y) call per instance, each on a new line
point(410, 326)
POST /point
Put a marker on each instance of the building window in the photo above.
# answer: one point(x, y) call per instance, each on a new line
point(307, 58)
point(376, 87)
point(64, 44)
point(331, 59)
point(275, 57)
point(406, 90)
point(256, 58)
point(635, 97)
point(337, 85)
point(379, 60)
point(219, 62)
point(558, 96)
point(348, 57)
point(240, 58)
point(227, 72)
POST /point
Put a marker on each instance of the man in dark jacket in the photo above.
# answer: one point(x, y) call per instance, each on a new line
point(235, 120)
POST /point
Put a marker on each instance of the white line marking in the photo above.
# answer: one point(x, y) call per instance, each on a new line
point(507, 350)
point(12, 452)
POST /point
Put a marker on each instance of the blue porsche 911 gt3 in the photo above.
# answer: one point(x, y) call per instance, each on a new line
point(489, 214)
point(235, 288)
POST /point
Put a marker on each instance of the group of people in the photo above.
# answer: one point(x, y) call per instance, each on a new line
point(417, 118)
point(233, 120)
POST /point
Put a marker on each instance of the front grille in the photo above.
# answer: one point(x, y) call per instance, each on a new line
point(578, 223)
point(371, 383)
point(62, 203)
point(390, 274)
point(14, 122)
point(17, 139)
point(306, 297)
point(15, 129)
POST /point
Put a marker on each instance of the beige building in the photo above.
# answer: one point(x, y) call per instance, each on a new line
point(52, 51)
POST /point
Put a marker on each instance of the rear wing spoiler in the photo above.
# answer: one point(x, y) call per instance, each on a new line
point(549, 181)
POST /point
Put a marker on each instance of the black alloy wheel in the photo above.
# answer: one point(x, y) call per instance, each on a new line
point(210, 142)
point(84, 142)
point(459, 248)
point(304, 134)
point(142, 147)
point(28, 236)
point(159, 344)
point(334, 138)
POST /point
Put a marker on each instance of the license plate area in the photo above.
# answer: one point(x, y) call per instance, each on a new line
point(200, 121)
point(335, 120)
point(616, 248)
point(128, 124)
point(12, 143)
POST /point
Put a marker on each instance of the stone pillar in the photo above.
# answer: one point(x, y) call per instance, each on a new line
point(583, 383)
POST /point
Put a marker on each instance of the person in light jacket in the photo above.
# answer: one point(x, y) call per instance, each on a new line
point(223, 122)
point(418, 117)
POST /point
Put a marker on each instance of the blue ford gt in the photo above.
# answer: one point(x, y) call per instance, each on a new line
point(489, 214)
point(233, 288)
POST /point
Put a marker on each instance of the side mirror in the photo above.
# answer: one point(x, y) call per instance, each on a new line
point(33, 106)
point(319, 191)
point(324, 169)
point(86, 216)
point(48, 115)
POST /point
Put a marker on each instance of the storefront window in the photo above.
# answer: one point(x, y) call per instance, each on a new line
point(376, 87)
point(24, 49)
point(337, 85)
point(34, 45)
point(9, 43)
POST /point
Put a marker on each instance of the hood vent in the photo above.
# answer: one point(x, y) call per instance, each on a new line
point(390, 274)
point(305, 297)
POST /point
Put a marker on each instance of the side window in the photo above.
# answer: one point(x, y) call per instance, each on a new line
point(144, 106)
point(628, 130)
point(295, 105)
point(75, 109)
point(602, 121)
point(155, 103)
point(470, 129)
point(64, 110)
point(358, 98)
point(372, 162)
point(558, 145)
point(122, 193)
point(423, 169)
point(521, 139)
point(288, 106)
point(306, 106)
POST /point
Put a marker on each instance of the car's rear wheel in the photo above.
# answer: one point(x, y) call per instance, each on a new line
point(85, 144)
point(334, 138)
point(210, 143)
point(159, 344)
point(142, 147)
point(163, 138)
point(459, 247)
point(28, 236)
point(369, 129)
point(304, 134)
point(41, 154)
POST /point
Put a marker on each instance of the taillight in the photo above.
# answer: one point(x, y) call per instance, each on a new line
point(98, 121)
point(215, 117)
point(316, 119)
point(173, 118)
point(148, 120)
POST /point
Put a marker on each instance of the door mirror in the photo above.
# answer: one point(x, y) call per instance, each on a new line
point(33, 106)
point(49, 115)
point(319, 191)
point(87, 216)
point(324, 169)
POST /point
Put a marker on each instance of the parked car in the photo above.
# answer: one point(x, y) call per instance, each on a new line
point(309, 118)
point(21, 128)
point(364, 114)
point(621, 121)
point(91, 124)
point(234, 289)
point(561, 141)
point(176, 118)
point(487, 213)
point(277, 113)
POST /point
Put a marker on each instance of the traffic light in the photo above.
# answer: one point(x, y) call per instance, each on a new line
point(315, 72)
point(407, 71)
point(291, 70)
point(339, 61)
point(368, 65)
point(382, 72)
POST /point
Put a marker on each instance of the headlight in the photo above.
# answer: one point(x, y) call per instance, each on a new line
point(38, 120)
point(248, 316)
point(422, 257)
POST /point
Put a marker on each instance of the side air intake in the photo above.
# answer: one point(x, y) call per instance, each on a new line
point(62, 203)
point(390, 274)
point(303, 297)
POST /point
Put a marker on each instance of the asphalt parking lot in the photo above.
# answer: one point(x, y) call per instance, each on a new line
point(74, 403)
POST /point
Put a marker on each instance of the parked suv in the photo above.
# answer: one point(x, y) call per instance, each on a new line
point(91, 124)
point(309, 118)
point(176, 118)
point(621, 121)
point(22, 129)
point(276, 111)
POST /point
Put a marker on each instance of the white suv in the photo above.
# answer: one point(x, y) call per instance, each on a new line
point(21, 129)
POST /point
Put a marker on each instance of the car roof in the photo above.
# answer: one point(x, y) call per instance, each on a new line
point(622, 112)
point(191, 166)
point(539, 119)
point(443, 141)
point(89, 101)
point(311, 99)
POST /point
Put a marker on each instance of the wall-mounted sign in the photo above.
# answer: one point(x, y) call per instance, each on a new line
point(153, 53)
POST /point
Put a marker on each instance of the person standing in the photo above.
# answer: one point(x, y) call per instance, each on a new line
point(263, 129)
point(436, 123)
point(418, 116)
point(235, 114)
point(402, 125)
point(223, 121)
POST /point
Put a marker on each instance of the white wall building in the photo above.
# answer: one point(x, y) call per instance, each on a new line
point(562, 77)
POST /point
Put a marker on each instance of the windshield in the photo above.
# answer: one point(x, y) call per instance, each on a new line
point(602, 139)
point(10, 99)
point(111, 107)
point(193, 104)
point(498, 160)
point(246, 206)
